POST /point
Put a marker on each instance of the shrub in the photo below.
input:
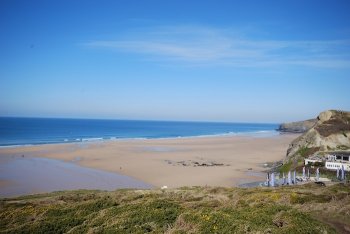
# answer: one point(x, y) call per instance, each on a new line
point(286, 167)
point(306, 152)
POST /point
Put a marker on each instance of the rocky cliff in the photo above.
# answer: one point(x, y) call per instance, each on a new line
point(297, 127)
point(330, 132)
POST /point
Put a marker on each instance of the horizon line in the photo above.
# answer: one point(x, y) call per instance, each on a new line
point(149, 120)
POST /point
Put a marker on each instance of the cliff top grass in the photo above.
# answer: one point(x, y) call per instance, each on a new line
point(299, 209)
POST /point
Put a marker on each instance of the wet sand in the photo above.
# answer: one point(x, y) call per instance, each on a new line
point(212, 161)
point(29, 175)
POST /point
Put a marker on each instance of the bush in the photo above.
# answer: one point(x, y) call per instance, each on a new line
point(306, 152)
point(319, 164)
point(286, 167)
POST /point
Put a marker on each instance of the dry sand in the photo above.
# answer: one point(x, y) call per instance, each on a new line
point(172, 162)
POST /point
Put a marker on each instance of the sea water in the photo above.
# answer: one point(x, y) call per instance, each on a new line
point(26, 175)
point(31, 131)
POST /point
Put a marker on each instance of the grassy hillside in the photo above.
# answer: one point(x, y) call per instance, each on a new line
point(298, 209)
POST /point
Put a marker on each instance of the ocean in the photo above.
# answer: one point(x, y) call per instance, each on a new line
point(33, 131)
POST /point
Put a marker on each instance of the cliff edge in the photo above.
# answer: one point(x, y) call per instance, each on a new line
point(330, 132)
point(297, 127)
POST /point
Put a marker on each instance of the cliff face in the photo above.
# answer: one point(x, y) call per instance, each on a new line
point(331, 131)
point(297, 127)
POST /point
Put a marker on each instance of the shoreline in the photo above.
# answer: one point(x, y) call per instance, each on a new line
point(176, 162)
point(263, 133)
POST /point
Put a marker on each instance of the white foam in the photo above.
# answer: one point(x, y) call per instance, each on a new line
point(92, 139)
point(261, 133)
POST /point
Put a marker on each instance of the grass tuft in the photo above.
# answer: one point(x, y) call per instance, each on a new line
point(298, 209)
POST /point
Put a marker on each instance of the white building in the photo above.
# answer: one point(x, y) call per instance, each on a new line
point(312, 160)
point(337, 159)
point(333, 161)
point(331, 157)
point(337, 165)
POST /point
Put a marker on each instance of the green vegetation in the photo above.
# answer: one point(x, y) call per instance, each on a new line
point(298, 209)
point(286, 167)
point(298, 157)
point(306, 151)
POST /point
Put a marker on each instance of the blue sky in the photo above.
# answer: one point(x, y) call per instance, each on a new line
point(238, 61)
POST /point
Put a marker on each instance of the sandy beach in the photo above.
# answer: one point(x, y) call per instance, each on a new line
point(212, 161)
